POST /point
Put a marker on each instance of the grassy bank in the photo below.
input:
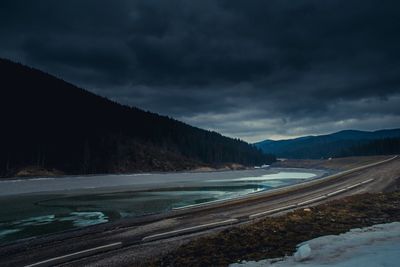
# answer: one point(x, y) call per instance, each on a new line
point(278, 236)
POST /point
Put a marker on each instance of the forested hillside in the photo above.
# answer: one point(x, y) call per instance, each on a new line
point(386, 146)
point(50, 123)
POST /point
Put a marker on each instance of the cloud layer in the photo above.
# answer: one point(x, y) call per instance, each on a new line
point(248, 69)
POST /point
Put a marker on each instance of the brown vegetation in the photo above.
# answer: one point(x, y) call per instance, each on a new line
point(278, 236)
point(30, 171)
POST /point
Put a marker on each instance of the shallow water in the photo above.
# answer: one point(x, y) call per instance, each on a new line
point(29, 215)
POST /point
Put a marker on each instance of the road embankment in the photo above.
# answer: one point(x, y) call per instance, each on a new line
point(274, 237)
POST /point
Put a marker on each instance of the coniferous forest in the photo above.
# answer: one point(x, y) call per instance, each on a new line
point(385, 146)
point(49, 123)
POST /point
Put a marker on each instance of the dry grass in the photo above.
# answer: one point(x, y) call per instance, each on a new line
point(278, 236)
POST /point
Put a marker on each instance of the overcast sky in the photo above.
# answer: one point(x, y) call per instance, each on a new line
point(249, 69)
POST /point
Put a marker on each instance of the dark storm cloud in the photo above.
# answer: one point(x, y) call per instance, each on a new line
point(252, 69)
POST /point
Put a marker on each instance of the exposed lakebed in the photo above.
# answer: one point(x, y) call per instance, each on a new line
point(28, 208)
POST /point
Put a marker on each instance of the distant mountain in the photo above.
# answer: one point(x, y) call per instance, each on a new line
point(323, 146)
point(49, 123)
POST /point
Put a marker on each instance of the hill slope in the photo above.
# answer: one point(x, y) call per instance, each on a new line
point(385, 146)
point(50, 123)
point(324, 146)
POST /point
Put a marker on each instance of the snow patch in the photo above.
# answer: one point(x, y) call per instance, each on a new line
point(303, 253)
point(378, 245)
point(272, 176)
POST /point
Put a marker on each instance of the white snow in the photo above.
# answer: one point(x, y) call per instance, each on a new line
point(378, 245)
point(273, 176)
point(303, 253)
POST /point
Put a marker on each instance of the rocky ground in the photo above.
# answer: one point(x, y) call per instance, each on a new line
point(36, 171)
point(31, 171)
point(275, 237)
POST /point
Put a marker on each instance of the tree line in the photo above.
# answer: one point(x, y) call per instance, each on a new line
point(385, 146)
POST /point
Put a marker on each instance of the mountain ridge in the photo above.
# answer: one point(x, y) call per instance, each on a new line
point(324, 146)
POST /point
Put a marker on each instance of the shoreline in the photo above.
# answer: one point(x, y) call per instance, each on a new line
point(296, 164)
point(59, 174)
point(135, 182)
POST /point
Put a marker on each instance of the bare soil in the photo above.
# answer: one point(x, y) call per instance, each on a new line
point(338, 164)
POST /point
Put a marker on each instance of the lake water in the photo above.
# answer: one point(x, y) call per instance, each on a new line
point(28, 208)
